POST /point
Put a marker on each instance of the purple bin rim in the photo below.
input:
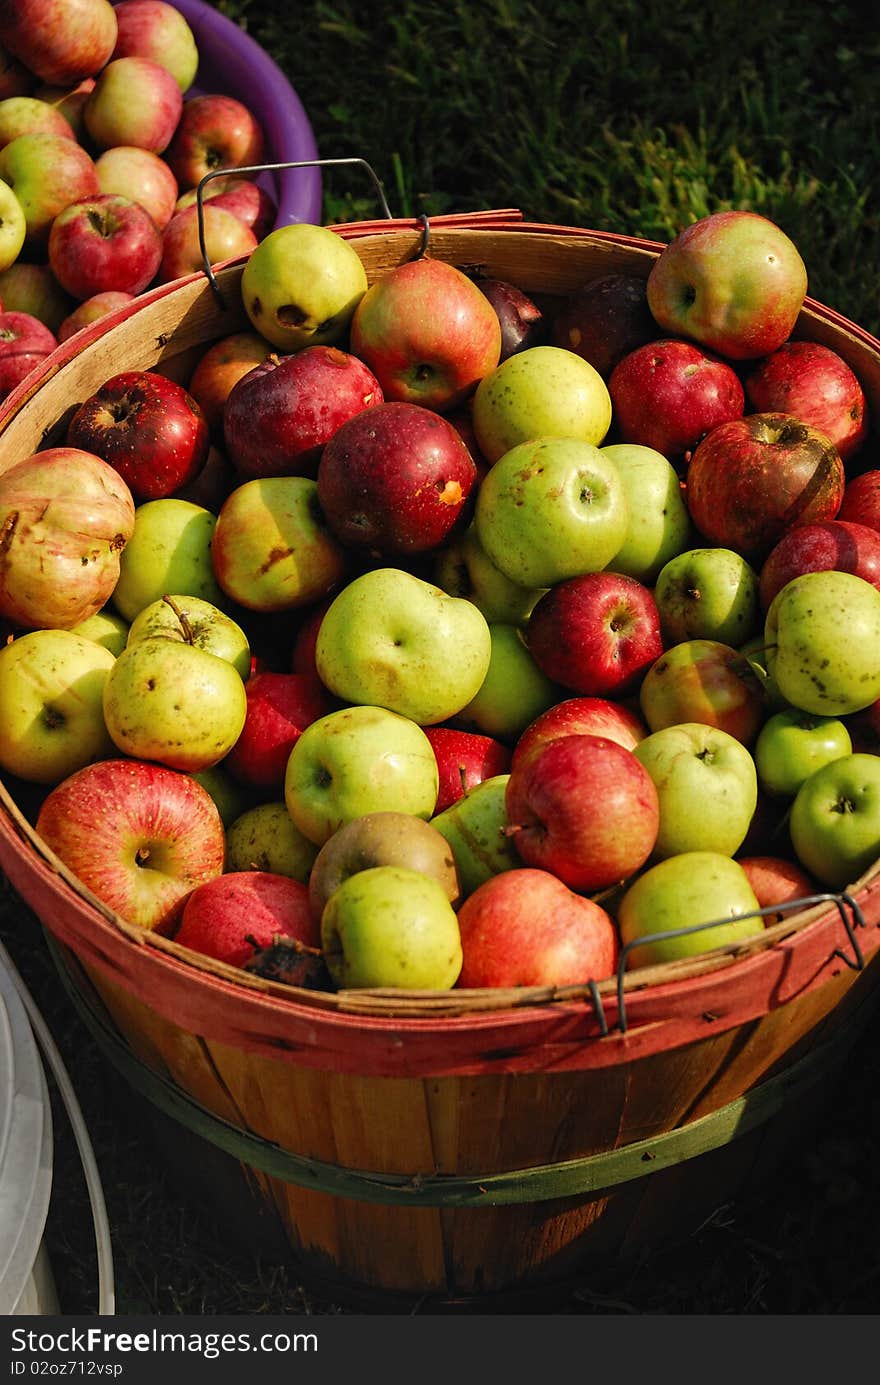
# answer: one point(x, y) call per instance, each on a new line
point(230, 61)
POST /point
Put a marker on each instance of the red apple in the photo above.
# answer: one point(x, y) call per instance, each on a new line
point(597, 634)
point(235, 915)
point(396, 479)
point(753, 477)
point(134, 101)
point(149, 429)
point(583, 808)
point(21, 331)
point(830, 543)
point(140, 836)
point(226, 238)
point(92, 310)
point(588, 716)
point(16, 366)
point(141, 176)
point(522, 321)
point(668, 394)
point(279, 708)
point(214, 131)
point(861, 500)
point(302, 656)
point(107, 244)
point(59, 41)
point(427, 333)
point(247, 200)
point(222, 366)
point(524, 927)
point(704, 681)
point(464, 758)
point(279, 416)
point(776, 880)
point(159, 31)
point(815, 384)
point(605, 320)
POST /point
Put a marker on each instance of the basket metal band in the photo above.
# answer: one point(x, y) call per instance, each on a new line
point(591, 1175)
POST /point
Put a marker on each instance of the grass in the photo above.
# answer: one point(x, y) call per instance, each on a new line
point(623, 116)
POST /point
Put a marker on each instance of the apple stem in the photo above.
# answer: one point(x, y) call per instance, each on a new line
point(188, 632)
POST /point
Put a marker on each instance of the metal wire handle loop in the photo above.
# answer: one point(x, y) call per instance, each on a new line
point(272, 168)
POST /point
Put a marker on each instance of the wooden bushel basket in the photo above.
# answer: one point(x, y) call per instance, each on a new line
point(460, 1146)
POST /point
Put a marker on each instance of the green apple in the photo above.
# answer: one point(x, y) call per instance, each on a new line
point(169, 701)
point(549, 509)
point(835, 820)
point(686, 891)
point(169, 551)
point(391, 926)
point(104, 627)
point(474, 827)
point(51, 705)
point(301, 285)
point(390, 639)
point(792, 745)
point(13, 226)
point(228, 795)
point(197, 622)
point(514, 690)
point(659, 525)
point(822, 636)
point(271, 549)
point(708, 594)
point(706, 785)
point(462, 568)
point(264, 837)
point(544, 391)
point(358, 760)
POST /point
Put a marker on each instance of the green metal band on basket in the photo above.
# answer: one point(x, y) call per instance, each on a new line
point(540, 1183)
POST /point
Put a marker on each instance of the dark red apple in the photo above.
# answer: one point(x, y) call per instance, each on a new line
point(669, 394)
point(396, 480)
point(279, 708)
point(522, 321)
point(861, 500)
point(605, 320)
point(243, 912)
point(278, 417)
point(464, 759)
point(588, 716)
point(596, 634)
point(148, 427)
point(815, 384)
point(817, 547)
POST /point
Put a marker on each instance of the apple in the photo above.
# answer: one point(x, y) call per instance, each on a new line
point(750, 479)
point(226, 238)
point(658, 522)
point(228, 796)
point(22, 115)
point(15, 79)
point(597, 634)
point(544, 391)
point(191, 620)
point(263, 837)
point(391, 926)
point(605, 320)
point(522, 321)
point(247, 200)
point(776, 880)
point(382, 839)
point(170, 701)
point(33, 288)
point(106, 628)
point(427, 332)
point(733, 281)
point(141, 837)
point(475, 828)
point(822, 633)
point(462, 568)
point(395, 479)
point(706, 681)
point(105, 243)
point(214, 131)
point(135, 101)
point(16, 366)
point(271, 549)
point(126, 170)
point(703, 896)
point(13, 226)
point(23, 332)
point(514, 690)
point(815, 384)
point(169, 551)
point(814, 547)
point(220, 367)
point(589, 716)
point(354, 761)
point(708, 594)
point(46, 173)
point(51, 718)
point(835, 820)
point(583, 808)
point(92, 310)
point(302, 653)
point(707, 788)
point(159, 31)
point(390, 639)
point(66, 518)
point(527, 928)
point(550, 509)
point(60, 41)
point(148, 427)
point(464, 758)
point(278, 418)
point(301, 285)
point(792, 745)
point(861, 496)
point(669, 393)
point(234, 915)
point(279, 707)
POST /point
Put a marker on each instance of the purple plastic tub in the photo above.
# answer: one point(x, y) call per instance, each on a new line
point(233, 63)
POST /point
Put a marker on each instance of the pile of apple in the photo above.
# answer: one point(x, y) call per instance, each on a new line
point(435, 636)
point(101, 153)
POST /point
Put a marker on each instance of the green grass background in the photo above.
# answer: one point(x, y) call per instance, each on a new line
point(624, 116)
